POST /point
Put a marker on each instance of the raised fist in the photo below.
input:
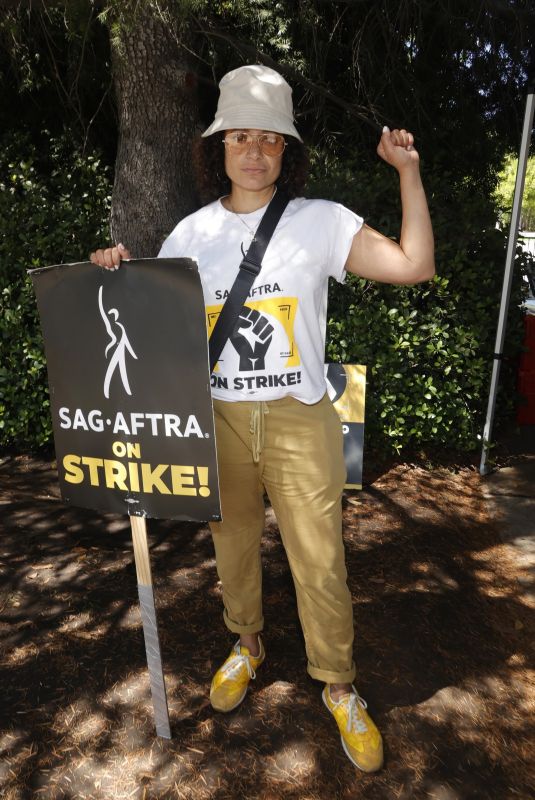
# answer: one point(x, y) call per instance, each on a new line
point(251, 337)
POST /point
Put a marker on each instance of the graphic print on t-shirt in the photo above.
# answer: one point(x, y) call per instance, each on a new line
point(262, 340)
point(252, 337)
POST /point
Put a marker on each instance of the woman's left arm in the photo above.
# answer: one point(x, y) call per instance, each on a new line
point(378, 258)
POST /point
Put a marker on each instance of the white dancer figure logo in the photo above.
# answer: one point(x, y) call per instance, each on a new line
point(121, 345)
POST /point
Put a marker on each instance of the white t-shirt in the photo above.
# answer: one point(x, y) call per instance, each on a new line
point(278, 347)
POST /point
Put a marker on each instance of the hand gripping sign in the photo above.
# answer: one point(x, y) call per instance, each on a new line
point(129, 381)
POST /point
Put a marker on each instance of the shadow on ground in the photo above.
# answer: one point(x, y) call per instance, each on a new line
point(443, 651)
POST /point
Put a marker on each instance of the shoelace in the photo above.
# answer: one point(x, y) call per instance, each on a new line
point(235, 663)
point(354, 718)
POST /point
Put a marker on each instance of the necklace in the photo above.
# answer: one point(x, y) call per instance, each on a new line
point(252, 231)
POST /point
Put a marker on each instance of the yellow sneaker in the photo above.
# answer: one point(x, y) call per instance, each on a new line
point(229, 684)
point(360, 738)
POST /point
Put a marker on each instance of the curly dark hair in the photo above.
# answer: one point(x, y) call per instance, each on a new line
point(211, 178)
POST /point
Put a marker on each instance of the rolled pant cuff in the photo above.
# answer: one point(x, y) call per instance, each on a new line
point(330, 676)
point(235, 627)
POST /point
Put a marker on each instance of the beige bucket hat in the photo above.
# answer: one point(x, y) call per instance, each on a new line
point(254, 96)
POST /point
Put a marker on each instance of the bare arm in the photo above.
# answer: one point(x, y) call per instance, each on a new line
point(378, 258)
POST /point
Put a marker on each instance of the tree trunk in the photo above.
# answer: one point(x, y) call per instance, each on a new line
point(157, 109)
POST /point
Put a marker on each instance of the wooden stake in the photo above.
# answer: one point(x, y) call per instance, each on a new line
point(150, 626)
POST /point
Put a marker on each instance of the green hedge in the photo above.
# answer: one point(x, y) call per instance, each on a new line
point(428, 348)
point(54, 206)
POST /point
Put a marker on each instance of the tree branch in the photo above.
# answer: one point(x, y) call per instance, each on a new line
point(296, 77)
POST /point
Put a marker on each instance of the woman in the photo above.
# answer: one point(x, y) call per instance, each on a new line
point(276, 429)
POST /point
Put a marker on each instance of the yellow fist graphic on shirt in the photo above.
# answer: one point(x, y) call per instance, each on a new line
point(263, 337)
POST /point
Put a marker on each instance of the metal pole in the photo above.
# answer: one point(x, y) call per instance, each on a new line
point(150, 626)
point(508, 276)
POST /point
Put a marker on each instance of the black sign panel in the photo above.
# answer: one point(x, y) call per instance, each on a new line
point(129, 386)
point(346, 385)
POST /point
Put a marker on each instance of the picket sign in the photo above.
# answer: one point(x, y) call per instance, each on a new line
point(346, 386)
point(127, 361)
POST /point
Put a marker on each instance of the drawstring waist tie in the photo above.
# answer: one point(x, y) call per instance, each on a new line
point(257, 428)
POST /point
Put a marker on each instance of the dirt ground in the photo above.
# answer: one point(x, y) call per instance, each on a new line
point(443, 649)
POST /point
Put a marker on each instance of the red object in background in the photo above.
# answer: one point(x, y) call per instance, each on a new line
point(525, 414)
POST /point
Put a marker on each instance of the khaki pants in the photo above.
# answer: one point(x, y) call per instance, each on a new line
point(294, 452)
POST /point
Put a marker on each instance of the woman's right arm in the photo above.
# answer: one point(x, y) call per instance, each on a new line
point(111, 257)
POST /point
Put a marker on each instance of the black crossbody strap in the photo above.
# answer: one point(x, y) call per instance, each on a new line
point(247, 272)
